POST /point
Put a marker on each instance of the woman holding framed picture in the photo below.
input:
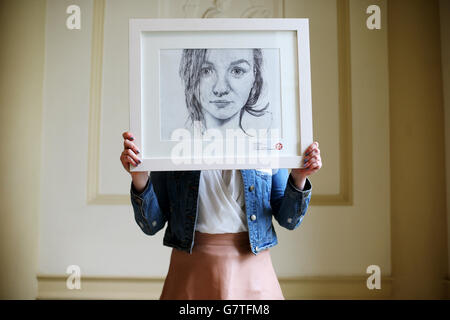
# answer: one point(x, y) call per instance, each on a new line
point(219, 223)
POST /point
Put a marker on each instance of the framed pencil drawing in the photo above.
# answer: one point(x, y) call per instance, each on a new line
point(220, 93)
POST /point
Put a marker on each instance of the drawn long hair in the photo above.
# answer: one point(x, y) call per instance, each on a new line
point(190, 67)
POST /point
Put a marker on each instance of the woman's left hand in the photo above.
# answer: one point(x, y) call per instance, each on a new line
point(312, 164)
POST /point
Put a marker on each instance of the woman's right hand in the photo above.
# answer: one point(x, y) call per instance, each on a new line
point(129, 155)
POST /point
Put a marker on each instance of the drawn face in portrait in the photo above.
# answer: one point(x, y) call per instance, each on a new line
point(226, 78)
point(222, 86)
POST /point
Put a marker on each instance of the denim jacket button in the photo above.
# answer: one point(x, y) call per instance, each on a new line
point(154, 223)
point(251, 188)
point(289, 220)
point(257, 248)
point(253, 217)
point(141, 225)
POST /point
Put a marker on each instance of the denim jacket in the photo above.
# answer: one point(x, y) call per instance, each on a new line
point(172, 196)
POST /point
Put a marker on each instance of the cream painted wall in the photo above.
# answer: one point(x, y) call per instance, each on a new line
point(444, 8)
point(104, 239)
point(22, 38)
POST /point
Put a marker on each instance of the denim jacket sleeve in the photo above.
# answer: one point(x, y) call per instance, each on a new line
point(289, 204)
point(147, 211)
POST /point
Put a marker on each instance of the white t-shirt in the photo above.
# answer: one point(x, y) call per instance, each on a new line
point(221, 207)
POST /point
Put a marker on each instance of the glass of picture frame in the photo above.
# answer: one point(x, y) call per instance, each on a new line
point(220, 93)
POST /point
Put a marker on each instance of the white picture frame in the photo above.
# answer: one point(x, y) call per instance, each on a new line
point(209, 57)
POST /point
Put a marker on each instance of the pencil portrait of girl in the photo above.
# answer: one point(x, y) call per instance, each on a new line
point(220, 89)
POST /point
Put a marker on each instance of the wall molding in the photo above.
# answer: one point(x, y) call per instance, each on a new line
point(345, 195)
point(299, 288)
point(95, 110)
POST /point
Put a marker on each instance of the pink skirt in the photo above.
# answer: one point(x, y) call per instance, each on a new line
point(221, 267)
